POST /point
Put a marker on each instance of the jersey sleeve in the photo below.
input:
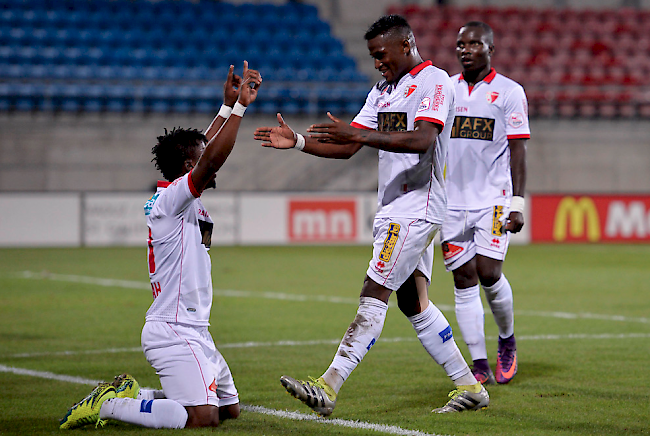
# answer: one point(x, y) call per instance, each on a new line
point(436, 99)
point(176, 197)
point(516, 114)
point(367, 116)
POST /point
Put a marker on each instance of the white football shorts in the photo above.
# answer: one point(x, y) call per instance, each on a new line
point(466, 233)
point(191, 369)
point(401, 246)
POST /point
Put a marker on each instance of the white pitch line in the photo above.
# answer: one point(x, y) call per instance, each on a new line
point(297, 416)
point(298, 297)
point(252, 344)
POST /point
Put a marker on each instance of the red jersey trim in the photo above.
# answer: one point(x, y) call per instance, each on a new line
point(488, 79)
point(431, 120)
point(359, 126)
point(420, 67)
point(519, 136)
point(163, 184)
point(193, 190)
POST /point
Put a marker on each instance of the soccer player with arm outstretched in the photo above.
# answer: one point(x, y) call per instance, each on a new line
point(407, 116)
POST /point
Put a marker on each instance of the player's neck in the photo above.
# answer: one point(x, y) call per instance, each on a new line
point(472, 77)
point(416, 61)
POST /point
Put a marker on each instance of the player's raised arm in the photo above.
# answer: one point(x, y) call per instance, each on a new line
point(230, 93)
point(219, 147)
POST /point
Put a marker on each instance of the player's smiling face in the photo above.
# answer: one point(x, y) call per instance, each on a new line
point(473, 49)
point(390, 55)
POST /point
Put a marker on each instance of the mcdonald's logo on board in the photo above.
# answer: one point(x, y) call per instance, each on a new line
point(590, 218)
point(579, 218)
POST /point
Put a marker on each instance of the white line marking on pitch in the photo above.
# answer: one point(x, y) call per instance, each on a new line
point(297, 297)
point(253, 344)
point(383, 428)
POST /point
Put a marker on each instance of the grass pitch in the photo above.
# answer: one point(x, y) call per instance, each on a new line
point(582, 324)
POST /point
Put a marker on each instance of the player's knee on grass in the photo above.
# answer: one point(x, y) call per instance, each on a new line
point(202, 416)
point(229, 412)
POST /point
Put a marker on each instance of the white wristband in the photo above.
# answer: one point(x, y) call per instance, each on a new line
point(224, 111)
point(239, 109)
point(517, 204)
point(300, 142)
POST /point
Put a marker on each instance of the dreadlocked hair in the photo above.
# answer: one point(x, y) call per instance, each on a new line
point(173, 149)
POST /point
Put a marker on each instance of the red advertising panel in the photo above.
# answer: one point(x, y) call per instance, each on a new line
point(590, 218)
point(322, 220)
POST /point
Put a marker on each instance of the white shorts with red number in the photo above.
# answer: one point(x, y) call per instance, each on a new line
point(467, 233)
point(401, 246)
point(191, 369)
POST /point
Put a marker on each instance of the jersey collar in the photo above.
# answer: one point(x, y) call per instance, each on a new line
point(420, 67)
point(487, 79)
point(163, 184)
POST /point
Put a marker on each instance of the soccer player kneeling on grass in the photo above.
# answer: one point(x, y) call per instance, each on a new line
point(197, 387)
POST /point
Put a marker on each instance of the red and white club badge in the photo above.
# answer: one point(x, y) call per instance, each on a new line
point(491, 96)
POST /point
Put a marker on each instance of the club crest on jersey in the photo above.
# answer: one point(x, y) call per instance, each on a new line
point(492, 96)
point(390, 242)
point(410, 90)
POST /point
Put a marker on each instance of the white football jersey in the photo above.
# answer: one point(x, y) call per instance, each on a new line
point(411, 185)
point(180, 232)
point(478, 164)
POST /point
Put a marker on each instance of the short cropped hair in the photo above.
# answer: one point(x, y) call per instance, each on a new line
point(395, 24)
point(487, 30)
point(173, 149)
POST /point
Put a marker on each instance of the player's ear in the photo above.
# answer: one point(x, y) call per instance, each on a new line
point(187, 166)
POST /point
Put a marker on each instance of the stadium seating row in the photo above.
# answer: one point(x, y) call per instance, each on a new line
point(587, 47)
point(572, 63)
point(163, 99)
point(168, 43)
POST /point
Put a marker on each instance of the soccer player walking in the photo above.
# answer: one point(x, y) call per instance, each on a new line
point(197, 386)
point(408, 117)
point(486, 180)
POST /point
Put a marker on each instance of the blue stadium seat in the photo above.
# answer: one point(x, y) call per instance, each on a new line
point(118, 42)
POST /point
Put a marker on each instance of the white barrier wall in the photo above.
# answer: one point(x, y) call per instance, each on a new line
point(40, 220)
point(117, 219)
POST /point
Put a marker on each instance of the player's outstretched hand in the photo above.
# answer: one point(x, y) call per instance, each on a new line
point(336, 132)
point(250, 85)
point(281, 136)
point(231, 87)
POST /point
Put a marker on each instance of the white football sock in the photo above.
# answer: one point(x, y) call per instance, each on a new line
point(499, 297)
point(434, 332)
point(146, 413)
point(150, 394)
point(360, 337)
point(471, 320)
